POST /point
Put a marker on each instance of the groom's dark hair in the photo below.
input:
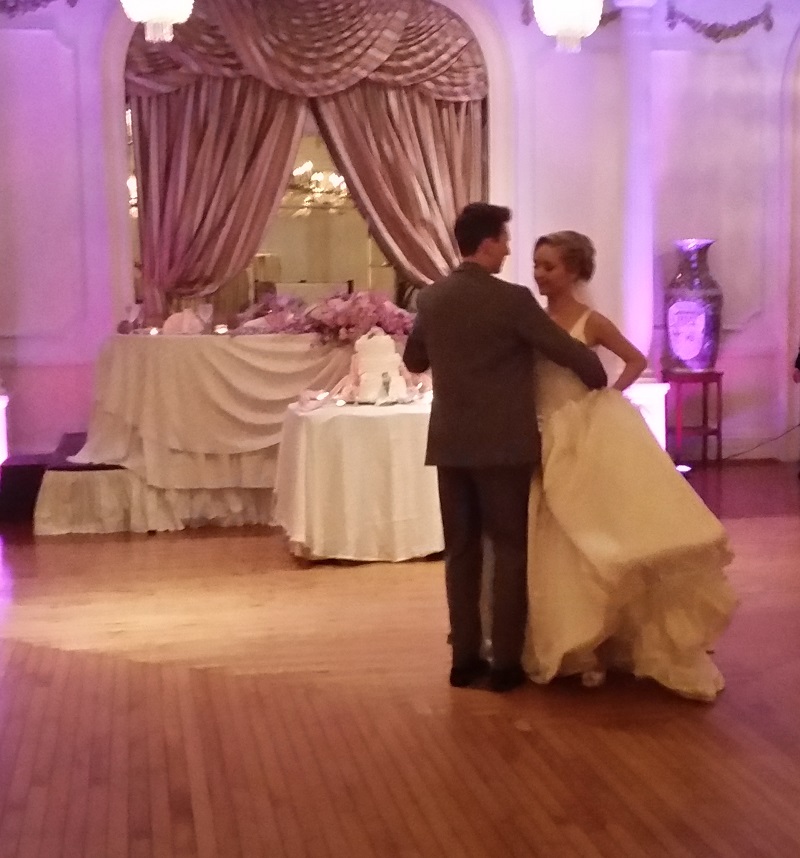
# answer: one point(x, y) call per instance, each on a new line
point(477, 222)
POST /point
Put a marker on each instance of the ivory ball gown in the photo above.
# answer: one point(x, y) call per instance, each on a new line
point(626, 563)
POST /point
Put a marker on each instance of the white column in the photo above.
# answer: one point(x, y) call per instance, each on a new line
point(638, 250)
point(637, 231)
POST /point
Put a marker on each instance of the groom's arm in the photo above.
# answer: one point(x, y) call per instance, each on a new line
point(538, 329)
point(415, 355)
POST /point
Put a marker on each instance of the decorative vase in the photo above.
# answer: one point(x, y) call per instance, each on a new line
point(692, 310)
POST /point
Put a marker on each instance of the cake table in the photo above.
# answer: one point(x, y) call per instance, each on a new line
point(351, 483)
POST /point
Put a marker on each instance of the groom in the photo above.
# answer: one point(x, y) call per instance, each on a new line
point(481, 338)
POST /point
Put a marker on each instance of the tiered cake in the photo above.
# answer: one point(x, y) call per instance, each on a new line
point(378, 367)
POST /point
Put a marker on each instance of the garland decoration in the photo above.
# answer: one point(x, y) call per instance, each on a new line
point(10, 8)
point(716, 31)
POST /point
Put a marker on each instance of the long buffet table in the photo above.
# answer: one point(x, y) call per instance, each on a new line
point(190, 412)
point(195, 424)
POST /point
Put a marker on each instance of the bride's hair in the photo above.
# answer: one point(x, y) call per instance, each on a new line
point(577, 251)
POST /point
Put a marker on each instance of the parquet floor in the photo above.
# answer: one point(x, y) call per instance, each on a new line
point(203, 694)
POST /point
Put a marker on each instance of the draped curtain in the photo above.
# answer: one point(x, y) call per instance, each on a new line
point(411, 163)
point(213, 159)
point(399, 91)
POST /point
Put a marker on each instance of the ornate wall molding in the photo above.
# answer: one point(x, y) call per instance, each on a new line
point(716, 31)
point(527, 12)
point(20, 7)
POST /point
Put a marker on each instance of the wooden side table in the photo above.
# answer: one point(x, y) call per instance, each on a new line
point(711, 424)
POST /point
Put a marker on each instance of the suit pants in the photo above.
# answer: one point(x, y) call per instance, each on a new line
point(490, 501)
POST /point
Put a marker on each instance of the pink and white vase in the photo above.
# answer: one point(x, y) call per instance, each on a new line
point(692, 310)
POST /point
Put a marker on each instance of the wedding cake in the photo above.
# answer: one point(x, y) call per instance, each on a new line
point(378, 369)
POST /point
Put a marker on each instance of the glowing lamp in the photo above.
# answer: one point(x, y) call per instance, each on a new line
point(158, 16)
point(568, 21)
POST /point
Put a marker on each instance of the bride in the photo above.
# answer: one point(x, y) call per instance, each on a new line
point(625, 566)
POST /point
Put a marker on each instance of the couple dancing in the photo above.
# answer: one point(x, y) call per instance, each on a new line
point(602, 555)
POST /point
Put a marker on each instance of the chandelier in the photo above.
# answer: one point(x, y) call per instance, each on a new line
point(568, 21)
point(315, 189)
point(158, 16)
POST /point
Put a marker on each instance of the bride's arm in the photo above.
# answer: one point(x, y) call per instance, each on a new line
point(601, 331)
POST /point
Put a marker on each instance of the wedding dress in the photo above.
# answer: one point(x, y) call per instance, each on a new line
point(625, 561)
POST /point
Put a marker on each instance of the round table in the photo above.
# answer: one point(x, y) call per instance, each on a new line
point(351, 483)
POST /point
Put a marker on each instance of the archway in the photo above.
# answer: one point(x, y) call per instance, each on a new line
point(501, 146)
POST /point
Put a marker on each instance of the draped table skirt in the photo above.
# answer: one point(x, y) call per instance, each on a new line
point(351, 483)
point(194, 421)
point(190, 412)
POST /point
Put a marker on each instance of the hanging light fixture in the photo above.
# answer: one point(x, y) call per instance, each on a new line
point(310, 189)
point(568, 21)
point(158, 16)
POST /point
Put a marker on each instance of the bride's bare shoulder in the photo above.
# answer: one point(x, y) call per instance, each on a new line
point(596, 327)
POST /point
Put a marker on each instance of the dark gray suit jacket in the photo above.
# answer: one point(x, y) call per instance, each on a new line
point(481, 337)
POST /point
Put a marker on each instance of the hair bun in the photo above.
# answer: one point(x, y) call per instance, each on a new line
point(577, 251)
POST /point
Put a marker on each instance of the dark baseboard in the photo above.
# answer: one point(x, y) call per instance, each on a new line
point(20, 479)
point(21, 476)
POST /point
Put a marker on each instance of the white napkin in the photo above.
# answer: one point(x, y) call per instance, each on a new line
point(183, 322)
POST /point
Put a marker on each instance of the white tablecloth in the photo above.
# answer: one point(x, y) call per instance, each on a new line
point(202, 412)
point(351, 483)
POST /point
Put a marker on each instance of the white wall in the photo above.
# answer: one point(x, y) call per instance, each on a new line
point(57, 290)
point(726, 124)
point(722, 169)
point(725, 171)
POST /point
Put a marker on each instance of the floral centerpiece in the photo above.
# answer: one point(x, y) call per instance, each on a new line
point(340, 319)
point(345, 317)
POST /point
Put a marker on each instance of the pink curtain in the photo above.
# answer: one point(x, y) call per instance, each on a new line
point(411, 163)
point(311, 47)
point(212, 162)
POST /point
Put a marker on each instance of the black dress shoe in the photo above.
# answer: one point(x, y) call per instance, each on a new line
point(464, 675)
point(506, 678)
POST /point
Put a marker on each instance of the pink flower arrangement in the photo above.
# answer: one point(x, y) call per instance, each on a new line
point(342, 318)
point(345, 317)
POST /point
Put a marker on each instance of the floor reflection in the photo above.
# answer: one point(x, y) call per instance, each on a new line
point(6, 582)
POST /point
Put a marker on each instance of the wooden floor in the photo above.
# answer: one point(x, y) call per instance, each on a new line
point(204, 694)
